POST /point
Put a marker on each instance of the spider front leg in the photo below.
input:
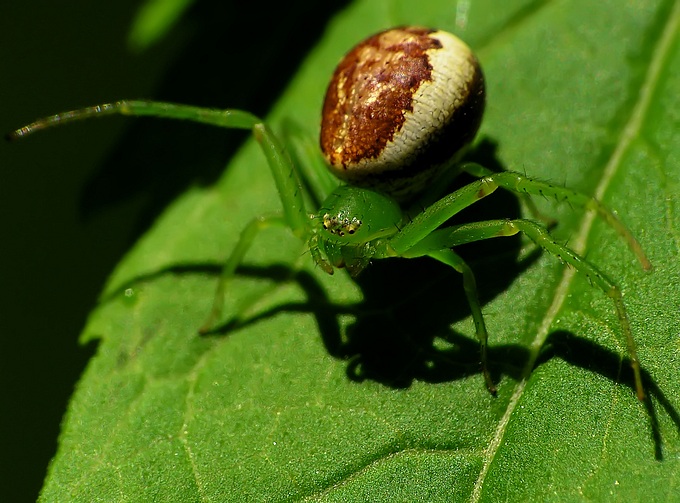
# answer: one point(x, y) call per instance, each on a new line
point(406, 244)
point(520, 184)
point(235, 259)
point(280, 165)
point(294, 216)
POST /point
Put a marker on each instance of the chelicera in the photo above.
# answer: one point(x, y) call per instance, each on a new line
point(399, 111)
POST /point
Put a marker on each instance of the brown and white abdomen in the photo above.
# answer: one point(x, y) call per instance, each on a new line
point(400, 106)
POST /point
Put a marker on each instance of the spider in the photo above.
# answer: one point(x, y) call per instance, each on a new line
point(399, 112)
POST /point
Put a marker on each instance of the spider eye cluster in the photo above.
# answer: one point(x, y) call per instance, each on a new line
point(340, 226)
point(400, 108)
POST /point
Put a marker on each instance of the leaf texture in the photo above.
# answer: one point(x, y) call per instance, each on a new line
point(319, 388)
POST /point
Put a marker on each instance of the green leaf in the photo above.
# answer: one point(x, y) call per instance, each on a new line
point(320, 388)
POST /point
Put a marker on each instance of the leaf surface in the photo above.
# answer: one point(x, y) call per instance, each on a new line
point(321, 388)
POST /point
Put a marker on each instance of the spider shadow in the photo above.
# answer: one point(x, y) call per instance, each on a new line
point(392, 340)
point(409, 306)
point(407, 312)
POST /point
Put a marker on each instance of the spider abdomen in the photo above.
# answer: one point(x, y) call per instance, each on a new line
point(400, 106)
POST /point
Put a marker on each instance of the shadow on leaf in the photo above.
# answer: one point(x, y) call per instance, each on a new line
point(401, 330)
point(586, 354)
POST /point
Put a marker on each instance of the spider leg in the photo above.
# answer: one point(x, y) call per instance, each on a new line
point(449, 257)
point(232, 119)
point(520, 184)
point(427, 221)
point(287, 183)
point(280, 164)
point(478, 170)
point(309, 164)
point(229, 268)
point(288, 186)
point(432, 217)
point(294, 215)
point(467, 233)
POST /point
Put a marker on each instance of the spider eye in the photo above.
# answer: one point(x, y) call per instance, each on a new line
point(339, 225)
point(399, 108)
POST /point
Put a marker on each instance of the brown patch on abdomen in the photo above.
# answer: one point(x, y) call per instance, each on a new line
point(370, 92)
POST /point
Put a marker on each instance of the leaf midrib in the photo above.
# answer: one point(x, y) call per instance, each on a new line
point(628, 134)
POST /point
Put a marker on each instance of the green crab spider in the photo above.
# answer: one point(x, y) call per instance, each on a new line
point(400, 109)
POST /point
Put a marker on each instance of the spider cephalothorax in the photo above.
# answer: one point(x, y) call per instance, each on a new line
point(354, 223)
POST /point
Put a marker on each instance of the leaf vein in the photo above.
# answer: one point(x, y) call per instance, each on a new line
point(629, 133)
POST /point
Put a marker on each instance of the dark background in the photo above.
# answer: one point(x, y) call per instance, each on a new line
point(74, 199)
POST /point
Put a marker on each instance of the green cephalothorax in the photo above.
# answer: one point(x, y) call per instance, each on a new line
point(351, 222)
point(401, 105)
point(352, 215)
